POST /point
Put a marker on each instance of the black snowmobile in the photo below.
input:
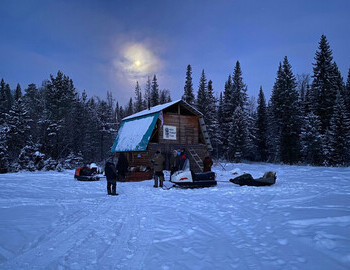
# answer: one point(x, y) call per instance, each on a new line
point(247, 179)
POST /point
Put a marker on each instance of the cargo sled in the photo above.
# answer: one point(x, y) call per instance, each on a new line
point(187, 179)
point(247, 179)
point(87, 173)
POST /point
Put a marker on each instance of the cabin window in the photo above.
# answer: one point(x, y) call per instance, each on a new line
point(155, 134)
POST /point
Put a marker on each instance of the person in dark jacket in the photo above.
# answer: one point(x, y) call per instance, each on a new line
point(111, 175)
point(122, 166)
point(158, 163)
point(207, 162)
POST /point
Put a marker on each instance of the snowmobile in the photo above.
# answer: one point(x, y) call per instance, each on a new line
point(185, 178)
point(247, 179)
point(87, 173)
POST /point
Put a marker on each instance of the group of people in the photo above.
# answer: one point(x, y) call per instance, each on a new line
point(178, 159)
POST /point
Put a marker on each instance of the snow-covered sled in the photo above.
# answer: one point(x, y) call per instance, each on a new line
point(247, 179)
point(187, 179)
point(86, 174)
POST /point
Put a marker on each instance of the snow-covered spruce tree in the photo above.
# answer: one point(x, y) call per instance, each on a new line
point(28, 157)
point(323, 84)
point(338, 140)
point(347, 94)
point(239, 89)
point(261, 127)
point(138, 98)
point(250, 152)
point(201, 101)
point(188, 95)
point(285, 113)
point(237, 135)
point(6, 100)
point(219, 133)
point(18, 126)
point(59, 101)
point(211, 117)
point(147, 94)
point(33, 102)
point(4, 158)
point(226, 110)
point(154, 92)
point(311, 140)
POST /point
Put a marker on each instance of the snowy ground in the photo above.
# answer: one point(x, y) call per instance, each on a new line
point(50, 221)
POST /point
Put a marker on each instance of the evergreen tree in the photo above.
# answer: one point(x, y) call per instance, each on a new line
point(347, 94)
point(188, 95)
point(220, 124)
point(18, 92)
point(311, 140)
point(226, 117)
point(338, 146)
point(237, 135)
point(4, 158)
point(211, 116)
point(154, 92)
point(323, 83)
point(147, 95)
point(138, 98)
point(239, 89)
point(164, 96)
point(202, 95)
point(261, 127)
point(129, 110)
point(286, 120)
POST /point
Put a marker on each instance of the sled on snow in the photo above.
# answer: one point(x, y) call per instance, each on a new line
point(187, 179)
point(86, 174)
point(247, 179)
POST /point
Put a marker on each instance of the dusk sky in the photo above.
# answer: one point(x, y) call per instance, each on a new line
point(109, 45)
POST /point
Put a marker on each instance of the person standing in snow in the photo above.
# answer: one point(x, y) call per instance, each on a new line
point(158, 163)
point(207, 162)
point(111, 175)
point(183, 158)
point(122, 166)
point(174, 162)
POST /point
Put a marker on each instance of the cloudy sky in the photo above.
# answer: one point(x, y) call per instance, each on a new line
point(109, 45)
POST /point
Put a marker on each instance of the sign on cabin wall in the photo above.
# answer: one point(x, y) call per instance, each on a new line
point(169, 132)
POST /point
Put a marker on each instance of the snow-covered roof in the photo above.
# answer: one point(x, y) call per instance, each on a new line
point(159, 108)
point(135, 134)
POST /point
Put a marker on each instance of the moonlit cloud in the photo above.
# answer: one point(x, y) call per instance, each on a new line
point(136, 61)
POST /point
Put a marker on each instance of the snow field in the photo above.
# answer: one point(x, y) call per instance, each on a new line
point(48, 220)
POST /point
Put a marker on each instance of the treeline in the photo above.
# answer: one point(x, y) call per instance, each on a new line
point(55, 127)
point(306, 120)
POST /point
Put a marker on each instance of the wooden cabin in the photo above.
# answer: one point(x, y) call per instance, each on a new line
point(166, 127)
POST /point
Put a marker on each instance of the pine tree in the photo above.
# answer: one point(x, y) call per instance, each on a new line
point(323, 83)
point(261, 127)
point(164, 96)
point(239, 89)
point(347, 94)
point(4, 158)
point(154, 92)
point(211, 116)
point(138, 98)
point(147, 95)
point(18, 92)
point(237, 135)
point(129, 110)
point(311, 140)
point(285, 115)
point(338, 146)
point(188, 95)
point(226, 117)
point(201, 102)
point(220, 124)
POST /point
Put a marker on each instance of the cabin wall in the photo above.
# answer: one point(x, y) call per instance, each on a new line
point(187, 129)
